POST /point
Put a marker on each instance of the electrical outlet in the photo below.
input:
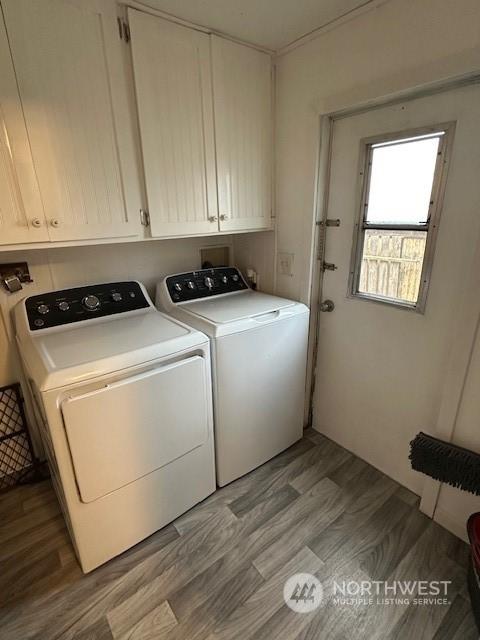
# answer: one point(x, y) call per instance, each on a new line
point(285, 264)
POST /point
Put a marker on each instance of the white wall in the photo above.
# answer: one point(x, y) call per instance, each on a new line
point(454, 506)
point(257, 251)
point(399, 45)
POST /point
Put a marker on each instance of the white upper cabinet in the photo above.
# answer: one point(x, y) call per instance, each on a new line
point(174, 96)
point(207, 160)
point(21, 213)
point(73, 87)
point(70, 165)
point(243, 133)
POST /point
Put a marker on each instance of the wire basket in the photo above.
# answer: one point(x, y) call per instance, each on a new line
point(17, 460)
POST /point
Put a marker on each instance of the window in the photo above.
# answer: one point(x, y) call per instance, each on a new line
point(403, 182)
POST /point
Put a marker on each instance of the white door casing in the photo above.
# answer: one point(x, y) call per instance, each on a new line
point(380, 369)
point(73, 86)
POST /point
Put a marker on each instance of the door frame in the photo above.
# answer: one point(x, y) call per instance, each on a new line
point(463, 342)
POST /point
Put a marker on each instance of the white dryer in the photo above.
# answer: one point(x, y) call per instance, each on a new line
point(259, 354)
point(110, 376)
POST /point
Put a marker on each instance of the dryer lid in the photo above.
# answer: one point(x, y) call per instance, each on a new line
point(235, 307)
point(76, 353)
point(107, 339)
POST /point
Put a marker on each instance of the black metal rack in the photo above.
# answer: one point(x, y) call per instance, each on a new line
point(18, 463)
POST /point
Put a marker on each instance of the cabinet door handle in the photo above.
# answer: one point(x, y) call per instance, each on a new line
point(55, 222)
point(212, 218)
point(224, 216)
point(36, 222)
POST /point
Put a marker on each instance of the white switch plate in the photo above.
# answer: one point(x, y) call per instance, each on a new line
point(285, 264)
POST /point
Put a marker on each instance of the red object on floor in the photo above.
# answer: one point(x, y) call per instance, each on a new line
point(473, 529)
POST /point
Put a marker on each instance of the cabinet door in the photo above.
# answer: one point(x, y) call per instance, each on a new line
point(21, 212)
point(242, 88)
point(68, 60)
point(173, 86)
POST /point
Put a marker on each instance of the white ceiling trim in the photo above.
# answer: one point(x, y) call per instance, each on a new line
point(368, 5)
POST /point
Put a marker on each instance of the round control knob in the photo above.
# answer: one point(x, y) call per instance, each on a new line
point(39, 322)
point(235, 277)
point(224, 279)
point(116, 296)
point(43, 309)
point(177, 286)
point(209, 282)
point(63, 306)
point(191, 284)
point(91, 302)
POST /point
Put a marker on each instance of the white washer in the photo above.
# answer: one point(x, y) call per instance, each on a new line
point(259, 354)
point(124, 398)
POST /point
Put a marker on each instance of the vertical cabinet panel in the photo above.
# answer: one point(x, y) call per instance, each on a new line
point(243, 132)
point(21, 213)
point(72, 84)
point(173, 86)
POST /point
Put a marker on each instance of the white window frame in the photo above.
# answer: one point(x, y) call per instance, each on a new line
point(430, 225)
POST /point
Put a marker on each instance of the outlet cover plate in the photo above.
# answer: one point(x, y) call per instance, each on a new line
point(285, 264)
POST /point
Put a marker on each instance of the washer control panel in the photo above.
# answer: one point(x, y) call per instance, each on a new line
point(204, 283)
point(74, 305)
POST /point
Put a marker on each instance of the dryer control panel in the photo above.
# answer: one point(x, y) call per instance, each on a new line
point(82, 303)
point(204, 283)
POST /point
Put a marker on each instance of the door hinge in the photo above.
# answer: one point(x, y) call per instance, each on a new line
point(123, 30)
point(329, 266)
point(330, 222)
point(144, 218)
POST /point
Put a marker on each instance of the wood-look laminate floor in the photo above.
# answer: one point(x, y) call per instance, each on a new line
point(218, 571)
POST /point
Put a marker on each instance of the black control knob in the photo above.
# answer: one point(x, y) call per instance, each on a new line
point(209, 282)
point(116, 296)
point(42, 309)
point(235, 277)
point(91, 302)
point(224, 279)
point(191, 284)
point(63, 306)
point(177, 286)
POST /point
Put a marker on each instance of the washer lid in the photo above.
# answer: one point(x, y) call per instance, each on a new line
point(235, 307)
